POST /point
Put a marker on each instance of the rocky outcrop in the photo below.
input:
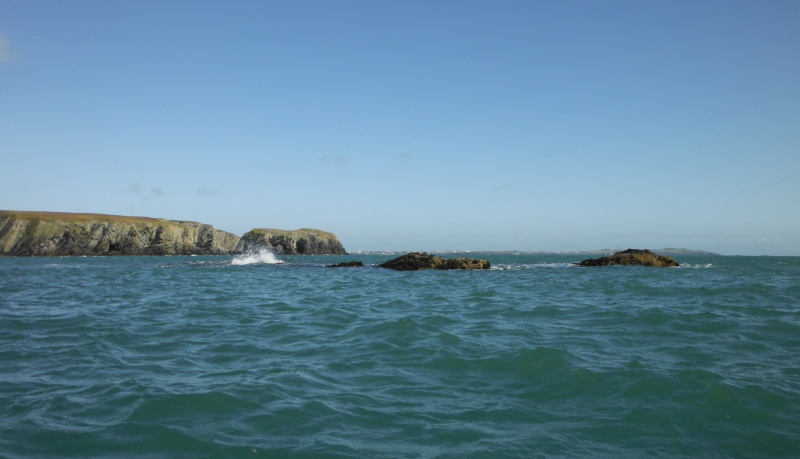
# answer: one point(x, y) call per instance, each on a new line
point(304, 241)
point(347, 264)
point(632, 257)
point(64, 234)
point(416, 261)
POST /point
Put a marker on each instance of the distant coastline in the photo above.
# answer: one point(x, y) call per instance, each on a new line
point(47, 234)
point(29, 233)
point(670, 251)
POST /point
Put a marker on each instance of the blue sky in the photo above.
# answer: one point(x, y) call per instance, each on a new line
point(414, 125)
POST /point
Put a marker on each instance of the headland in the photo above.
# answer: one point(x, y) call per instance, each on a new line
point(43, 234)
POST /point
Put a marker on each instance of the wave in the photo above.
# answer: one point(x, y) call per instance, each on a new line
point(517, 266)
point(259, 257)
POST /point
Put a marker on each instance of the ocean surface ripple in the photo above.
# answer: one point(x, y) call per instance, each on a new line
point(205, 357)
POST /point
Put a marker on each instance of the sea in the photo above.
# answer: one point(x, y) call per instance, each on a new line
point(261, 356)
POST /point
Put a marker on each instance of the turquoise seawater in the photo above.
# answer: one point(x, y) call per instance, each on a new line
point(201, 357)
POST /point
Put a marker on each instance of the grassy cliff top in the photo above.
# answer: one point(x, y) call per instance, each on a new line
point(75, 217)
point(67, 216)
point(294, 233)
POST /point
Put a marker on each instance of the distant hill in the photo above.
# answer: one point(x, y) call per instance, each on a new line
point(672, 251)
point(669, 251)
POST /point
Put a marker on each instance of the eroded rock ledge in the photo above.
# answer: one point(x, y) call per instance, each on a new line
point(632, 257)
point(69, 234)
point(304, 241)
point(416, 261)
point(347, 264)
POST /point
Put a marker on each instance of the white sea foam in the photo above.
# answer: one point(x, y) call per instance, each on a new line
point(518, 266)
point(260, 257)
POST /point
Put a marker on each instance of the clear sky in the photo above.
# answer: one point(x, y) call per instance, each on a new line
point(402, 125)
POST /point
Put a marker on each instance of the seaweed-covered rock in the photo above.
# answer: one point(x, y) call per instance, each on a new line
point(632, 257)
point(464, 263)
point(347, 264)
point(413, 261)
point(416, 261)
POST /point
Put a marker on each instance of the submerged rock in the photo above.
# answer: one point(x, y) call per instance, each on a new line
point(68, 234)
point(304, 241)
point(416, 261)
point(632, 257)
point(347, 264)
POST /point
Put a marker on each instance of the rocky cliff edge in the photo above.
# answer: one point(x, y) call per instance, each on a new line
point(304, 241)
point(65, 234)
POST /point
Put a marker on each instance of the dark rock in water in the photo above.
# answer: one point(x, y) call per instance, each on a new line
point(416, 261)
point(413, 261)
point(464, 263)
point(347, 264)
point(632, 257)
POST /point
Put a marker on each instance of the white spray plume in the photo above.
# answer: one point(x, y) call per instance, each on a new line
point(262, 256)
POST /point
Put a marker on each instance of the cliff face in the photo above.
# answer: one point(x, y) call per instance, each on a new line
point(61, 234)
point(303, 241)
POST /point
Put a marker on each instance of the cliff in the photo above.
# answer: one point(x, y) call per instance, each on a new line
point(304, 241)
point(61, 234)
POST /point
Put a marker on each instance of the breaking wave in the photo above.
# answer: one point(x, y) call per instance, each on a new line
point(259, 257)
